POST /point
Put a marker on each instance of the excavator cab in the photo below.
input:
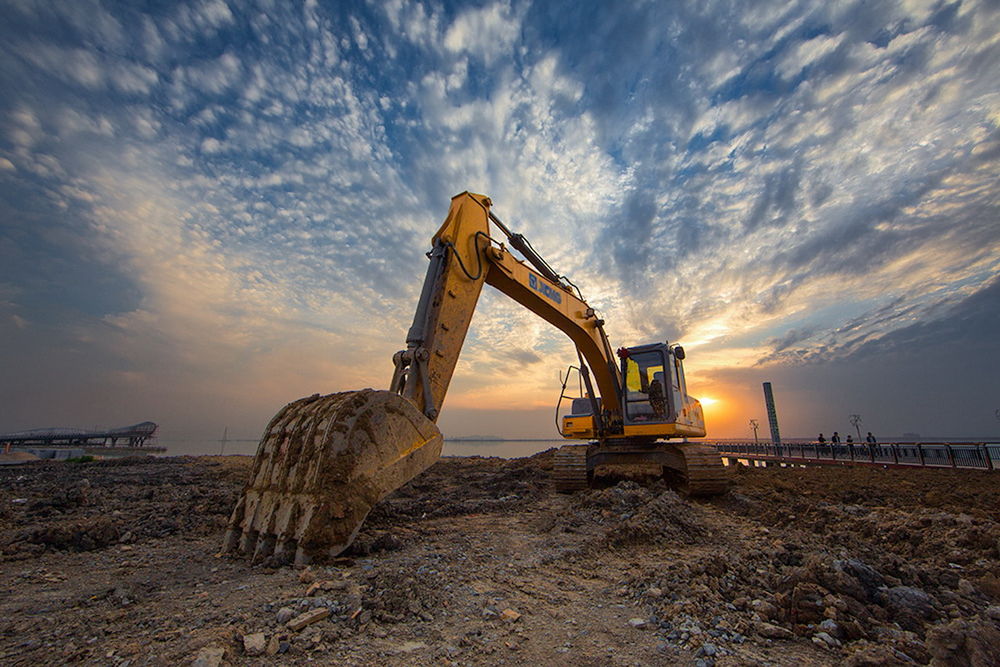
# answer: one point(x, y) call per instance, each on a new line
point(654, 399)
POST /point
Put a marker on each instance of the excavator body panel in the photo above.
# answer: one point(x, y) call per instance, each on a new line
point(578, 427)
point(656, 408)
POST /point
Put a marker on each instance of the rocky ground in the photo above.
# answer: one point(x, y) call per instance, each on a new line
point(478, 562)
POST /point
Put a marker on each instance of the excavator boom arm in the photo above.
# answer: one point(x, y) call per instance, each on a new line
point(463, 257)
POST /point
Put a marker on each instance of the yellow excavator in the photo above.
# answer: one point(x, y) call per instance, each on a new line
point(324, 461)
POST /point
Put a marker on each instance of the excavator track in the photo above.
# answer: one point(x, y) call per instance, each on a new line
point(569, 468)
point(702, 473)
point(695, 470)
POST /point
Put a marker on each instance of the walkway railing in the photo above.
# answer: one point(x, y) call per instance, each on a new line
point(974, 456)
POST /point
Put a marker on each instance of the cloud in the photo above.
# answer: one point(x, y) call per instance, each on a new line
point(91, 70)
point(806, 53)
point(416, 22)
point(486, 32)
point(215, 76)
point(758, 184)
point(211, 145)
point(783, 186)
point(931, 377)
point(190, 20)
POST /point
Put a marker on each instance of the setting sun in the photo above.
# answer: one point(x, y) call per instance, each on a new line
point(706, 401)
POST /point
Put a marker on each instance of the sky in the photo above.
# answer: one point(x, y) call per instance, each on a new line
point(211, 208)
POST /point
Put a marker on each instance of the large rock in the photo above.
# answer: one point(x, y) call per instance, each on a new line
point(874, 656)
point(767, 611)
point(254, 644)
point(910, 607)
point(831, 627)
point(284, 615)
point(805, 603)
point(852, 577)
point(771, 631)
point(308, 618)
point(965, 643)
point(209, 656)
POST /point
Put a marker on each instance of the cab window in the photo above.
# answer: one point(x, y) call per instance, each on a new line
point(646, 388)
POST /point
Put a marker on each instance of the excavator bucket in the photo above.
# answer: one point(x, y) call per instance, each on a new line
point(322, 464)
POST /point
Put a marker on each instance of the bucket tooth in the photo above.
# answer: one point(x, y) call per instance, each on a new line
point(249, 541)
point(284, 552)
point(322, 464)
point(265, 546)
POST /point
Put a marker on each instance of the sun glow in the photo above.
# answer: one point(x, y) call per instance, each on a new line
point(706, 401)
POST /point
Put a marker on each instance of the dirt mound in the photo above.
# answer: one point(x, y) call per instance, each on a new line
point(462, 485)
point(632, 515)
point(477, 561)
point(955, 491)
point(857, 595)
point(623, 498)
point(395, 596)
point(84, 535)
point(86, 506)
point(974, 642)
point(665, 518)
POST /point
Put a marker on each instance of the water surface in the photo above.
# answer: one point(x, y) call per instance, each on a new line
point(507, 449)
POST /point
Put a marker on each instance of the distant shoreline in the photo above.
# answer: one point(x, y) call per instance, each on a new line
point(502, 439)
point(884, 440)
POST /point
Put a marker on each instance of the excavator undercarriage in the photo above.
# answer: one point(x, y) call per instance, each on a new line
point(693, 469)
point(324, 461)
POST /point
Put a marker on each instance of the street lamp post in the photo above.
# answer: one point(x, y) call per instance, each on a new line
point(856, 423)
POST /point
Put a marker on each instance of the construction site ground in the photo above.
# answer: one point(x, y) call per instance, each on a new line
point(477, 561)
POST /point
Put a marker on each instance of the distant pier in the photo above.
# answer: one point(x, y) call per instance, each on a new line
point(141, 436)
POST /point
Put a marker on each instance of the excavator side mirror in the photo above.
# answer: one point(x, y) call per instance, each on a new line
point(679, 352)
